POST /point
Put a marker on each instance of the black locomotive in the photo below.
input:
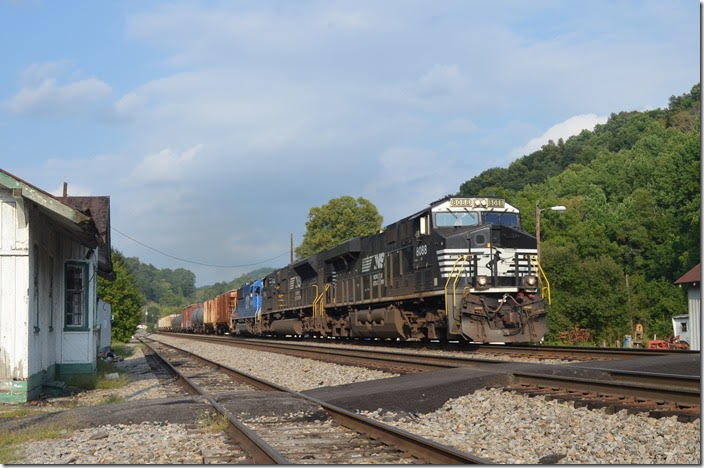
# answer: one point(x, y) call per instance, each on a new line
point(460, 269)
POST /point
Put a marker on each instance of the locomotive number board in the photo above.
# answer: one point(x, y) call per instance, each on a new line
point(478, 202)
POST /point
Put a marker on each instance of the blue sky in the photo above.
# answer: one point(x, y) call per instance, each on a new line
point(216, 126)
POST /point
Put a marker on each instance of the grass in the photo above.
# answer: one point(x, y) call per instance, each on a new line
point(99, 381)
point(213, 422)
point(121, 349)
point(9, 441)
point(18, 412)
point(112, 398)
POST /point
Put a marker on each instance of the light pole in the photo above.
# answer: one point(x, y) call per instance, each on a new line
point(538, 210)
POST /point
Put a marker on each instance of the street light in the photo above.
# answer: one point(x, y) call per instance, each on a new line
point(538, 210)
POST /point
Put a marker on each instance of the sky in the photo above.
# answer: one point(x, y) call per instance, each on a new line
point(215, 126)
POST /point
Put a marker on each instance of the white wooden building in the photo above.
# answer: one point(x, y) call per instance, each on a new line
point(693, 280)
point(51, 251)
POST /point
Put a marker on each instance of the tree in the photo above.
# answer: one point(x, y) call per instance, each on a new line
point(632, 189)
point(124, 297)
point(338, 220)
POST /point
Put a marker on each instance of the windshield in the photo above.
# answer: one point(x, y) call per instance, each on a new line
point(505, 219)
point(456, 218)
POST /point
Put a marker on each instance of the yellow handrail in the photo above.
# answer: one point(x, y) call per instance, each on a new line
point(315, 301)
point(463, 258)
point(538, 268)
point(457, 278)
point(319, 302)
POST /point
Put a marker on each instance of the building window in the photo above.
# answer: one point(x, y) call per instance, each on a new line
point(683, 327)
point(76, 312)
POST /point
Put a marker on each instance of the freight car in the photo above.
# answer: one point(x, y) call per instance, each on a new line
point(461, 268)
point(166, 323)
point(217, 312)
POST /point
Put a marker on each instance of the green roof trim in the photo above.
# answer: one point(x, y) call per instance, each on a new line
point(21, 188)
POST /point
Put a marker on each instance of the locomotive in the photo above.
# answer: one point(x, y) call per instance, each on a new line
point(460, 269)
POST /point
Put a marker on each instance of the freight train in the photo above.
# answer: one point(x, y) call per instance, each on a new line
point(460, 269)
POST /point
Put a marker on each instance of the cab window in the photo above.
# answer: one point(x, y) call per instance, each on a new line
point(456, 218)
point(505, 219)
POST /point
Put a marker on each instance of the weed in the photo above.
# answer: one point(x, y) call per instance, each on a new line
point(9, 441)
point(121, 349)
point(99, 381)
point(111, 398)
point(213, 422)
point(17, 412)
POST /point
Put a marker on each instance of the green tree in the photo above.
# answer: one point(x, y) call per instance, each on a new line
point(338, 220)
point(153, 315)
point(124, 297)
point(631, 187)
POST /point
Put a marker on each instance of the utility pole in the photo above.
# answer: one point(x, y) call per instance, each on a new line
point(291, 248)
point(537, 228)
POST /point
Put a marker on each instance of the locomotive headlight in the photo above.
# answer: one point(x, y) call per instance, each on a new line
point(482, 282)
point(530, 281)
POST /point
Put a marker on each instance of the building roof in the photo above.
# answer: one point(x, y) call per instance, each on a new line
point(87, 218)
point(692, 276)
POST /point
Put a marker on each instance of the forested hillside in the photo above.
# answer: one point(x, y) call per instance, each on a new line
point(167, 291)
point(631, 228)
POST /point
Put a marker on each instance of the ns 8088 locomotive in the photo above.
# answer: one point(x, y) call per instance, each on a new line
point(461, 269)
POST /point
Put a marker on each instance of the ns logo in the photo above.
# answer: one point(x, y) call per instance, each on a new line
point(373, 262)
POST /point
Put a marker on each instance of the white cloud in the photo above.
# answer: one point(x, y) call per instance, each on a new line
point(128, 106)
point(572, 126)
point(35, 73)
point(43, 95)
point(167, 165)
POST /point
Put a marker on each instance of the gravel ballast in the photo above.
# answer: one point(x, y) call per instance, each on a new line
point(291, 372)
point(436, 352)
point(148, 442)
point(509, 428)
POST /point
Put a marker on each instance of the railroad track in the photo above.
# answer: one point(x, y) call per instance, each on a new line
point(339, 436)
point(659, 395)
point(573, 352)
point(568, 353)
point(656, 393)
point(382, 359)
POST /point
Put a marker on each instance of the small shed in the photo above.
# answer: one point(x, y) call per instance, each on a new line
point(51, 252)
point(680, 327)
point(692, 279)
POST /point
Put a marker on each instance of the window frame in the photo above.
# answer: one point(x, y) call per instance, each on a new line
point(86, 291)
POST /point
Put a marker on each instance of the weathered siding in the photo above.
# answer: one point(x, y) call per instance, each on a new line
point(14, 282)
point(694, 296)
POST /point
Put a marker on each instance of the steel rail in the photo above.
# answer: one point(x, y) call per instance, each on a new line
point(576, 351)
point(670, 393)
point(690, 382)
point(420, 361)
point(255, 446)
point(426, 450)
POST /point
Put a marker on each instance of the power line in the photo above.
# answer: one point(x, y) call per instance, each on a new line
point(193, 261)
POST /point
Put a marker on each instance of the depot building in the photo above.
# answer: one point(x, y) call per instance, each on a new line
point(52, 249)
